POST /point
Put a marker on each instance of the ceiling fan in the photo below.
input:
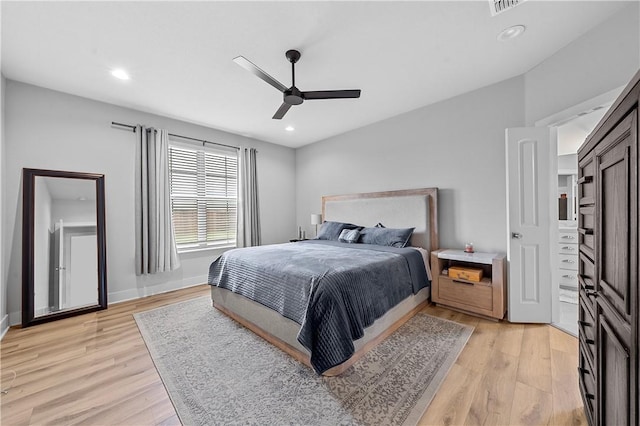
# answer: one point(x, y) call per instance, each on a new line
point(292, 95)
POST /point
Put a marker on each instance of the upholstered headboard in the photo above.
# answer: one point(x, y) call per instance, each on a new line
point(394, 209)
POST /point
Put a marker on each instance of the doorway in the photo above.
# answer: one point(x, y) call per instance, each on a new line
point(541, 185)
point(571, 134)
point(572, 128)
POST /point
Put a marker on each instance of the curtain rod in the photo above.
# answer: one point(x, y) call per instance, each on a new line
point(133, 129)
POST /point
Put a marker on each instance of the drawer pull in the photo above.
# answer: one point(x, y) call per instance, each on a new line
point(568, 237)
point(585, 324)
point(568, 261)
point(585, 231)
point(568, 276)
point(462, 282)
point(584, 285)
point(568, 248)
point(590, 341)
point(589, 396)
point(591, 293)
point(585, 179)
point(583, 371)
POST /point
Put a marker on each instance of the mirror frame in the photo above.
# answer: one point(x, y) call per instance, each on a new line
point(28, 245)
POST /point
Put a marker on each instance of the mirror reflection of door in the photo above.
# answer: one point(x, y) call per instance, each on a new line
point(65, 244)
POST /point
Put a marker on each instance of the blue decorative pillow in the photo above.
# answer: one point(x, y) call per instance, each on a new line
point(349, 235)
point(331, 230)
point(394, 237)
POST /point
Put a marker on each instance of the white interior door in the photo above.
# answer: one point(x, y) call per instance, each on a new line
point(83, 270)
point(59, 276)
point(528, 154)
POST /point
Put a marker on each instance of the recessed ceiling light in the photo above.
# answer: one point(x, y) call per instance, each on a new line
point(511, 32)
point(289, 128)
point(120, 73)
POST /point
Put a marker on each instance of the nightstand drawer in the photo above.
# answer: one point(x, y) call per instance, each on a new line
point(475, 295)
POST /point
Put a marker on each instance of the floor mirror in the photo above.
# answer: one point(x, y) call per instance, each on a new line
point(63, 245)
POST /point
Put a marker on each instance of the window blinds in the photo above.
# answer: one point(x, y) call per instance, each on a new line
point(204, 188)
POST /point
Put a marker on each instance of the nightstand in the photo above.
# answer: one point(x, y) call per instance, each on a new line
point(486, 298)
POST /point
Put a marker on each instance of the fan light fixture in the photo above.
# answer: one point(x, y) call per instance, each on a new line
point(120, 74)
point(511, 32)
point(289, 128)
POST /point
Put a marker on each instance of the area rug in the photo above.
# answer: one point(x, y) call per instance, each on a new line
point(219, 373)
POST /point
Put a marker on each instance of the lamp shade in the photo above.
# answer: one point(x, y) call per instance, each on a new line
point(316, 219)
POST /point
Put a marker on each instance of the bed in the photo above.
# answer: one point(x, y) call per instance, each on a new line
point(383, 286)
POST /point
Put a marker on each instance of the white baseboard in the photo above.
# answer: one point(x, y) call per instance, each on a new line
point(15, 318)
point(136, 293)
point(4, 326)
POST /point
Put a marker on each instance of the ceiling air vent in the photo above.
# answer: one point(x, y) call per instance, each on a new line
point(499, 6)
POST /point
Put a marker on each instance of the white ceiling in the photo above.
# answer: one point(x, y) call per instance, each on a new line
point(403, 55)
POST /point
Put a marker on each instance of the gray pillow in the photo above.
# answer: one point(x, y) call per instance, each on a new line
point(394, 237)
point(349, 235)
point(331, 230)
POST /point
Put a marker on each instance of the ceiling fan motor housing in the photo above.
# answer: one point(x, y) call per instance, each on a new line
point(292, 55)
point(293, 96)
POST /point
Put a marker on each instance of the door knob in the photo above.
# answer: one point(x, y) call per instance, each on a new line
point(516, 235)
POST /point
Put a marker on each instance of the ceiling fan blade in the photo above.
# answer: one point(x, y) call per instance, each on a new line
point(331, 94)
point(253, 69)
point(281, 111)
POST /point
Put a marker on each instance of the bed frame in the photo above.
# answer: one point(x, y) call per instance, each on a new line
point(394, 209)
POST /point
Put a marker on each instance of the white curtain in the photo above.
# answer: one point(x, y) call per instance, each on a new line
point(155, 240)
point(248, 233)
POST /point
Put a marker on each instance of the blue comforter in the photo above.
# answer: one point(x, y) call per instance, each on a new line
point(333, 290)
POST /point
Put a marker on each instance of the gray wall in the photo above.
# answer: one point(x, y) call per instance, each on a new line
point(456, 145)
point(601, 60)
point(52, 130)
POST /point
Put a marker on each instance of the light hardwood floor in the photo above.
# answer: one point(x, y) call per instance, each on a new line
point(95, 369)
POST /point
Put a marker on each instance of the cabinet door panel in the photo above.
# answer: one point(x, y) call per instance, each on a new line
point(587, 383)
point(617, 213)
point(614, 377)
point(586, 186)
point(586, 328)
point(586, 220)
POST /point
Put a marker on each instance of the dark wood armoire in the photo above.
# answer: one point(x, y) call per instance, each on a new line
point(608, 264)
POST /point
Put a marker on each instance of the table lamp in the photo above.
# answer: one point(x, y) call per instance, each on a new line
point(316, 219)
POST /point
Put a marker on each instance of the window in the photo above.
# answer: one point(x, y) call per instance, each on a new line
point(204, 187)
